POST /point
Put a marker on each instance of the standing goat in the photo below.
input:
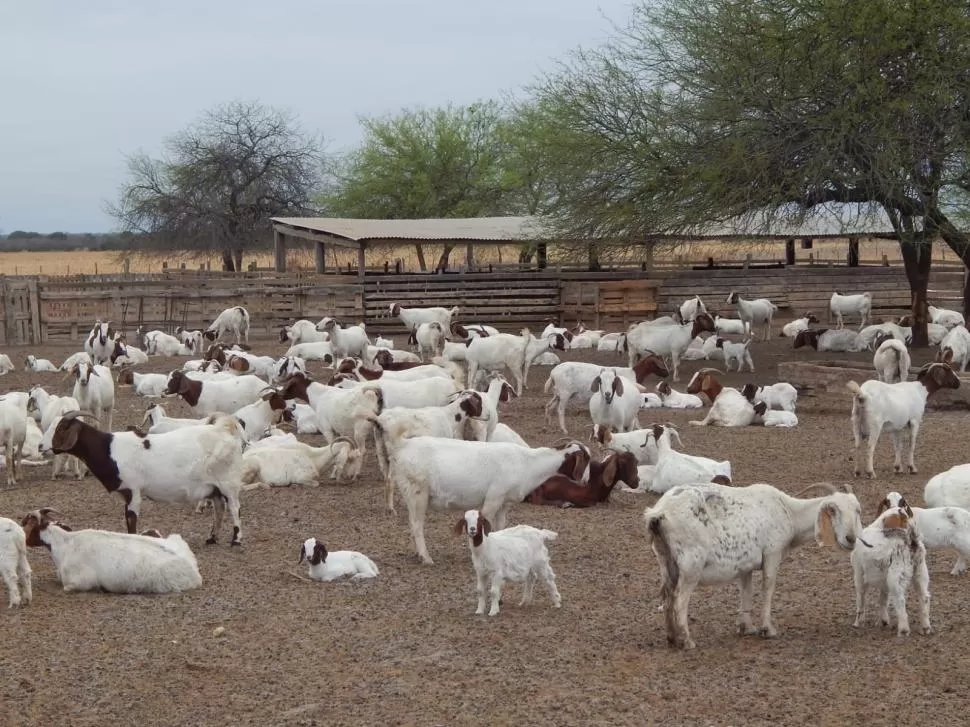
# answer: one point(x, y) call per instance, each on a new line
point(755, 312)
point(896, 407)
point(517, 554)
point(346, 340)
point(233, 320)
point(892, 361)
point(100, 342)
point(885, 557)
point(706, 534)
point(844, 305)
point(939, 527)
point(13, 432)
point(14, 567)
point(94, 390)
point(613, 405)
point(664, 339)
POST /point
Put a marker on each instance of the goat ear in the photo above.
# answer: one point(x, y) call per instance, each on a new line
point(65, 436)
point(883, 506)
point(302, 554)
point(486, 525)
point(824, 528)
point(461, 527)
point(609, 471)
point(595, 386)
point(618, 386)
point(905, 505)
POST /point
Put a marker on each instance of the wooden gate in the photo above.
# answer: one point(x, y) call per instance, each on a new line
point(19, 298)
point(610, 305)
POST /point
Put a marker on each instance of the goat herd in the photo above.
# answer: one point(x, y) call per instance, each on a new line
point(432, 414)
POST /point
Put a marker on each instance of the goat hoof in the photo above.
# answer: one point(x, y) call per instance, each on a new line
point(871, 475)
point(235, 544)
point(211, 540)
point(912, 470)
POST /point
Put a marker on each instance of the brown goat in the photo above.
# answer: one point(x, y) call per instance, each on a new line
point(565, 491)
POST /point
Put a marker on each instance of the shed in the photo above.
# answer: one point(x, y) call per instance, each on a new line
point(359, 234)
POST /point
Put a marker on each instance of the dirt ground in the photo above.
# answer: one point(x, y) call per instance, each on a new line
point(407, 649)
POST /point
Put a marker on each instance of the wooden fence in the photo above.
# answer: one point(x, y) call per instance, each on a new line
point(61, 310)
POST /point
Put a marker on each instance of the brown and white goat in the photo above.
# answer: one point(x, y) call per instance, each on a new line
point(565, 491)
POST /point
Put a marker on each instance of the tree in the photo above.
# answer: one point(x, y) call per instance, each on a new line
point(698, 112)
point(427, 163)
point(219, 182)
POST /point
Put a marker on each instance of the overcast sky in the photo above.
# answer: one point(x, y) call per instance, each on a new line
point(84, 83)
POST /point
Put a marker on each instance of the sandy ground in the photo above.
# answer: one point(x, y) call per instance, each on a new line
point(407, 649)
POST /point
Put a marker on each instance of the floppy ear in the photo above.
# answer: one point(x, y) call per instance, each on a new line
point(595, 385)
point(486, 526)
point(302, 554)
point(609, 471)
point(883, 506)
point(618, 386)
point(824, 529)
point(65, 437)
point(461, 526)
point(905, 505)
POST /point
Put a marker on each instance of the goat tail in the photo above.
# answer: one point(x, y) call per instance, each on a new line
point(548, 534)
point(549, 384)
point(658, 539)
point(856, 390)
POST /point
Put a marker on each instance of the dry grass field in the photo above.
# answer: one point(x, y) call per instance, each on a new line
point(88, 262)
point(407, 649)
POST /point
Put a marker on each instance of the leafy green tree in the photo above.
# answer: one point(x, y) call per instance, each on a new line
point(444, 162)
point(219, 182)
point(698, 112)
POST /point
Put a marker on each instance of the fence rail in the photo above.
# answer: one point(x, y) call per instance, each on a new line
point(50, 310)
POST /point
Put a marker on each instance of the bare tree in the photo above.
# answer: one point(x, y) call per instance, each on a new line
point(219, 182)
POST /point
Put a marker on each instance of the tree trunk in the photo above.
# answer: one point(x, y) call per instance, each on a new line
point(917, 257)
point(648, 250)
point(526, 253)
point(957, 240)
point(419, 250)
point(443, 260)
point(593, 256)
point(228, 264)
point(237, 257)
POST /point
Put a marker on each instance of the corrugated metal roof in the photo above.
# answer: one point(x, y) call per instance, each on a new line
point(470, 228)
point(832, 220)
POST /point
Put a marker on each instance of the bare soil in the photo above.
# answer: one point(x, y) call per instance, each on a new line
point(407, 649)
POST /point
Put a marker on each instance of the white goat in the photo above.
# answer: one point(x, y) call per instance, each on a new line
point(269, 409)
point(674, 468)
point(705, 534)
point(234, 320)
point(287, 366)
point(329, 566)
point(94, 390)
point(755, 312)
point(312, 351)
point(430, 338)
point(100, 342)
point(414, 317)
point(793, 328)
point(39, 365)
point(892, 361)
point(771, 418)
point(950, 488)
point(640, 443)
point(499, 390)
point(300, 464)
point(48, 407)
point(346, 340)
point(303, 331)
point(885, 557)
point(701, 349)
point(507, 352)
point(150, 385)
point(159, 343)
point(410, 394)
point(518, 554)
point(946, 318)
point(490, 476)
point(781, 396)
point(725, 326)
point(691, 308)
point(159, 422)
point(14, 567)
point(672, 399)
point(826, 339)
point(938, 527)
point(729, 407)
point(100, 560)
point(74, 359)
point(505, 433)
point(191, 339)
point(613, 405)
point(955, 348)
point(736, 352)
point(340, 412)
point(846, 305)
point(896, 407)
point(186, 465)
point(664, 339)
point(13, 432)
point(207, 397)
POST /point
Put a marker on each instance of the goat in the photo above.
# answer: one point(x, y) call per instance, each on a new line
point(938, 527)
point(14, 567)
point(955, 347)
point(604, 474)
point(47, 407)
point(492, 476)
point(94, 390)
point(825, 339)
point(212, 396)
point(13, 433)
point(886, 555)
point(946, 318)
point(329, 566)
point(752, 312)
point(517, 554)
point(892, 361)
point(346, 340)
point(843, 305)
point(74, 359)
point(296, 463)
point(312, 351)
point(781, 396)
point(639, 442)
point(897, 407)
point(673, 468)
point(505, 351)
point(612, 405)
point(705, 534)
point(303, 331)
point(186, 465)
point(99, 560)
point(413, 317)
point(793, 328)
point(430, 338)
point(772, 418)
point(100, 342)
point(691, 308)
point(729, 407)
point(735, 352)
point(191, 339)
point(664, 339)
point(339, 412)
point(39, 365)
point(723, 326)
point(233, 320)
point(149, 385)
point(573, 380)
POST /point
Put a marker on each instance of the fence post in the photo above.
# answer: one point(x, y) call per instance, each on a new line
point(34, 297)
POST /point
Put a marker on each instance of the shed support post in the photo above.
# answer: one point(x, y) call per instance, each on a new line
point(853, 258)
point(360, 262)
point(790, 251)
point(541, 255)
point(320, 257)
point(279, 251)
point(469, 256)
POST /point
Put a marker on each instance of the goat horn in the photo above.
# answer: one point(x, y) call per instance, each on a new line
point(350, 441)
point(848, 489)
point(78, 414)
point(827, 486)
